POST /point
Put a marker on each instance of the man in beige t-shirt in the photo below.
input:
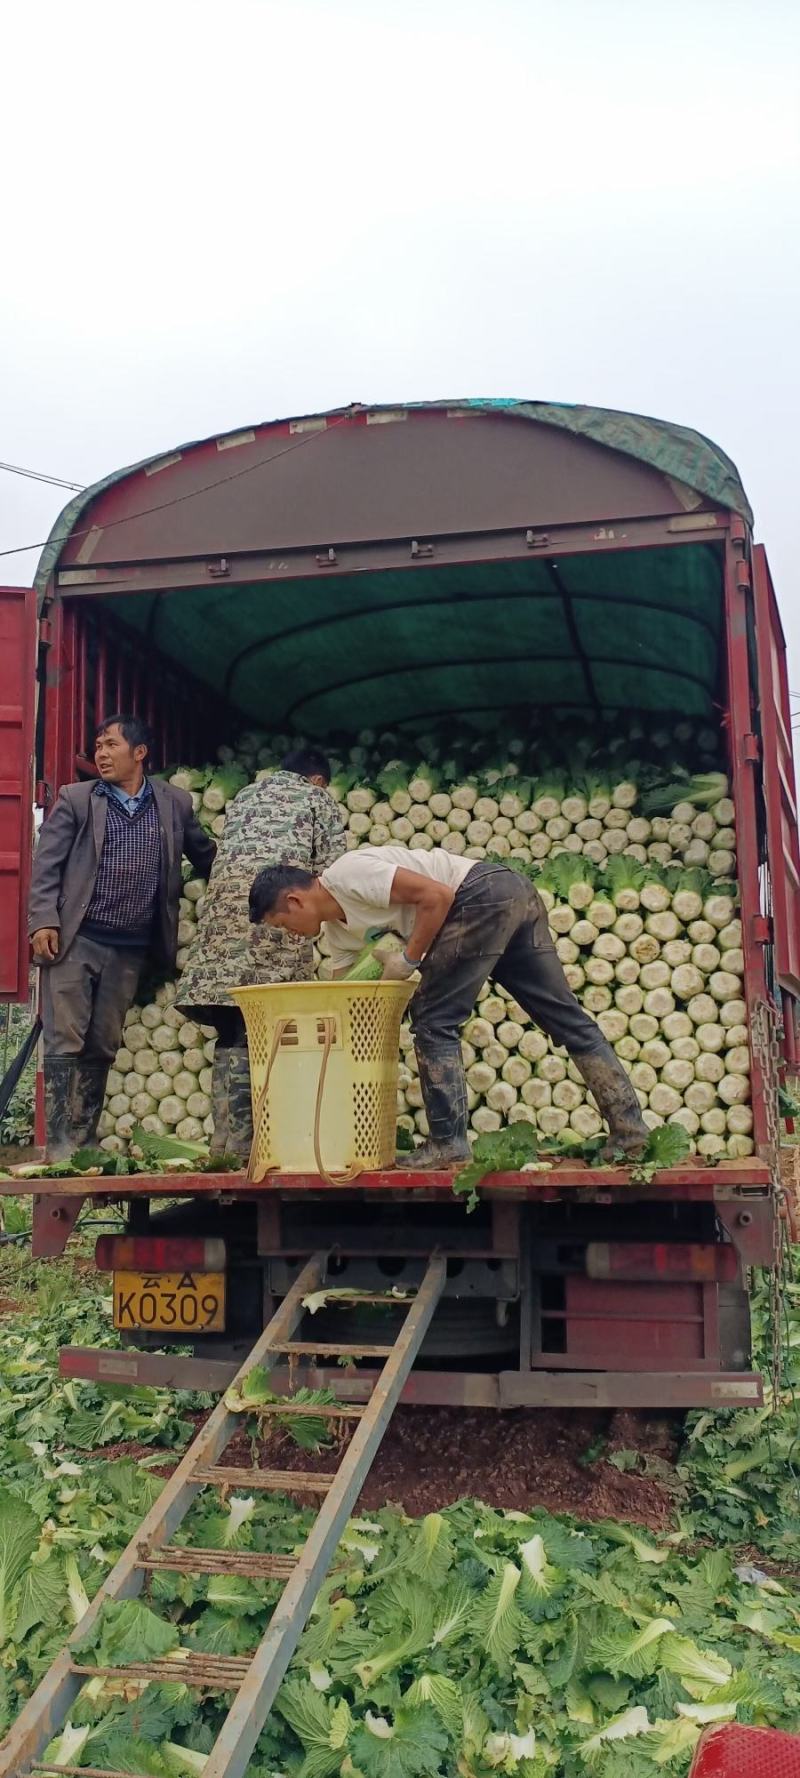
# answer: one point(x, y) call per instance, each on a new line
point(460, 921)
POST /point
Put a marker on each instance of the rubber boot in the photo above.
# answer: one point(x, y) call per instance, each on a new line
point(616, 1101)
point(60, 1079)
point(231, 1106)
point(437, 1154)
point(90, 1091)
point(444, 1094)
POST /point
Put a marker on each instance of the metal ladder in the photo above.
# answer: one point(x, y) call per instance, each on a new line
point(253, 1680)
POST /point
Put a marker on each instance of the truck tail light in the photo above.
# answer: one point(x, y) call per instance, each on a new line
point(665, 1262)
point(159, 1253)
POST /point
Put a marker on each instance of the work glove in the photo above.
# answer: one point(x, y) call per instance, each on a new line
point(397, 967)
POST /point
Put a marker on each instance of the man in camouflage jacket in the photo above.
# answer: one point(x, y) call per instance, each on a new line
point(287, 818)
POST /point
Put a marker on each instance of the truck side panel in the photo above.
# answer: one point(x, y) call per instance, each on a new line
point(745, 769)
point(17, 686)
point(779, 781)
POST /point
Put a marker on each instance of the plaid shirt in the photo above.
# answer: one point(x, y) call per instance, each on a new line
point(128, 873)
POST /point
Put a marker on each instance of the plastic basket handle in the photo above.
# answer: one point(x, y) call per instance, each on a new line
point(351, 1173)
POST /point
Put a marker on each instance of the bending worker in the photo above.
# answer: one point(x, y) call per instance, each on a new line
point(286, 815)
point(460, 921)
point(104, 897)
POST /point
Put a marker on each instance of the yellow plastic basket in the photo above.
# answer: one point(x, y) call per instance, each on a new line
point(323, 1069)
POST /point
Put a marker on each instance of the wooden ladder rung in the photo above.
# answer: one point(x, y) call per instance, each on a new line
point(193, 1561)
point(385, 1299)
point(278, 1481)
point(324, 1349)
point(81, 1772)
point(222, 1673)
point(308, 1410)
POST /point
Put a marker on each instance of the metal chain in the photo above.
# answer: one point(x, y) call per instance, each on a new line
point(765, 1034)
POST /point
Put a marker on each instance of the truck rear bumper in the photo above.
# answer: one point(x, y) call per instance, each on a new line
point(469, 1389)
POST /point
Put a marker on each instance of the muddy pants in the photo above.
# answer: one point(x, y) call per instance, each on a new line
point(497, 926)
point(85, 999)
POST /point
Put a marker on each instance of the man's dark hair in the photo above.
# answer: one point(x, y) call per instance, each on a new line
point(134, 728)
point(308, 762)
point(271, 884)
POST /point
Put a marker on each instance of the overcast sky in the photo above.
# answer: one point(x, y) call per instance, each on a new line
point(217, 214)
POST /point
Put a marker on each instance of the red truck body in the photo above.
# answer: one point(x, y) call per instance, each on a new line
point(197, 589)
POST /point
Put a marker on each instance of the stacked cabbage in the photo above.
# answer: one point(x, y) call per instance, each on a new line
point(161, 1076)
point(635, 859)
point(661, 970)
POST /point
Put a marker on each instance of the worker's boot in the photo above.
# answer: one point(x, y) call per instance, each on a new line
point(616, 1101)
point(60, 1074)
point(90, 1091)
point(437, 1155)
point(231, 1106)
point(444, 1093)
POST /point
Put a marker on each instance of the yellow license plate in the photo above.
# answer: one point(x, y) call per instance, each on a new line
point(170, 1302)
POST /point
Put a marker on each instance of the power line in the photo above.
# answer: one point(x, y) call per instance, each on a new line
point(37, 475)
point(178, 499)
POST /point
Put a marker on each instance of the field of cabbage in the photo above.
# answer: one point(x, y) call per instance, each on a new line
point(472, 1642)
point(627, 829)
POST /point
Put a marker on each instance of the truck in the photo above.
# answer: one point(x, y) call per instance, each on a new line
point(412, 563)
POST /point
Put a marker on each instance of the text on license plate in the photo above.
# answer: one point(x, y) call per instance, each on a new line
point(170, 1302)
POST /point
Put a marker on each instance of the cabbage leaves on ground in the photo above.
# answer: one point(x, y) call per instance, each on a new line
point(471, 1642)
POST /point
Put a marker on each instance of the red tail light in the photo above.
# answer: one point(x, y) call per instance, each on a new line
point(665, 1262)
point(734, 1751)
point(159, 1253)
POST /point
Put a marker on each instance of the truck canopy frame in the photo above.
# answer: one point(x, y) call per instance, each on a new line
point(295, 575)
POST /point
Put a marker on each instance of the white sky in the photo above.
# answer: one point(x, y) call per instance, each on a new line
point(220, 213)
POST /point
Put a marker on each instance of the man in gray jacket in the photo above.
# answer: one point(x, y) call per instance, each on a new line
point(104, 899)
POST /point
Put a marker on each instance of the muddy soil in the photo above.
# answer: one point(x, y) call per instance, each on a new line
point(433, 1457)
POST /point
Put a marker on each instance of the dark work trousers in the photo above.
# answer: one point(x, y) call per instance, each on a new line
point(497, 926)
point(85, 998)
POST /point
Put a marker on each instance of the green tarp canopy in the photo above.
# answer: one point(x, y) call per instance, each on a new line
point(636, 630)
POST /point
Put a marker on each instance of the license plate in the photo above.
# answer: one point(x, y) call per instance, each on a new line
point(170, 1302)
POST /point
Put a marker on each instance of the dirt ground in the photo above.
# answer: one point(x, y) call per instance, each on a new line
point(432, 1457)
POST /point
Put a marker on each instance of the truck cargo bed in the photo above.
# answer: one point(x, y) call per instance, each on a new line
point(688, 1181)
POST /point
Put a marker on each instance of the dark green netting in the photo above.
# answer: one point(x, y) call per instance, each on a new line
point(638, 629)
